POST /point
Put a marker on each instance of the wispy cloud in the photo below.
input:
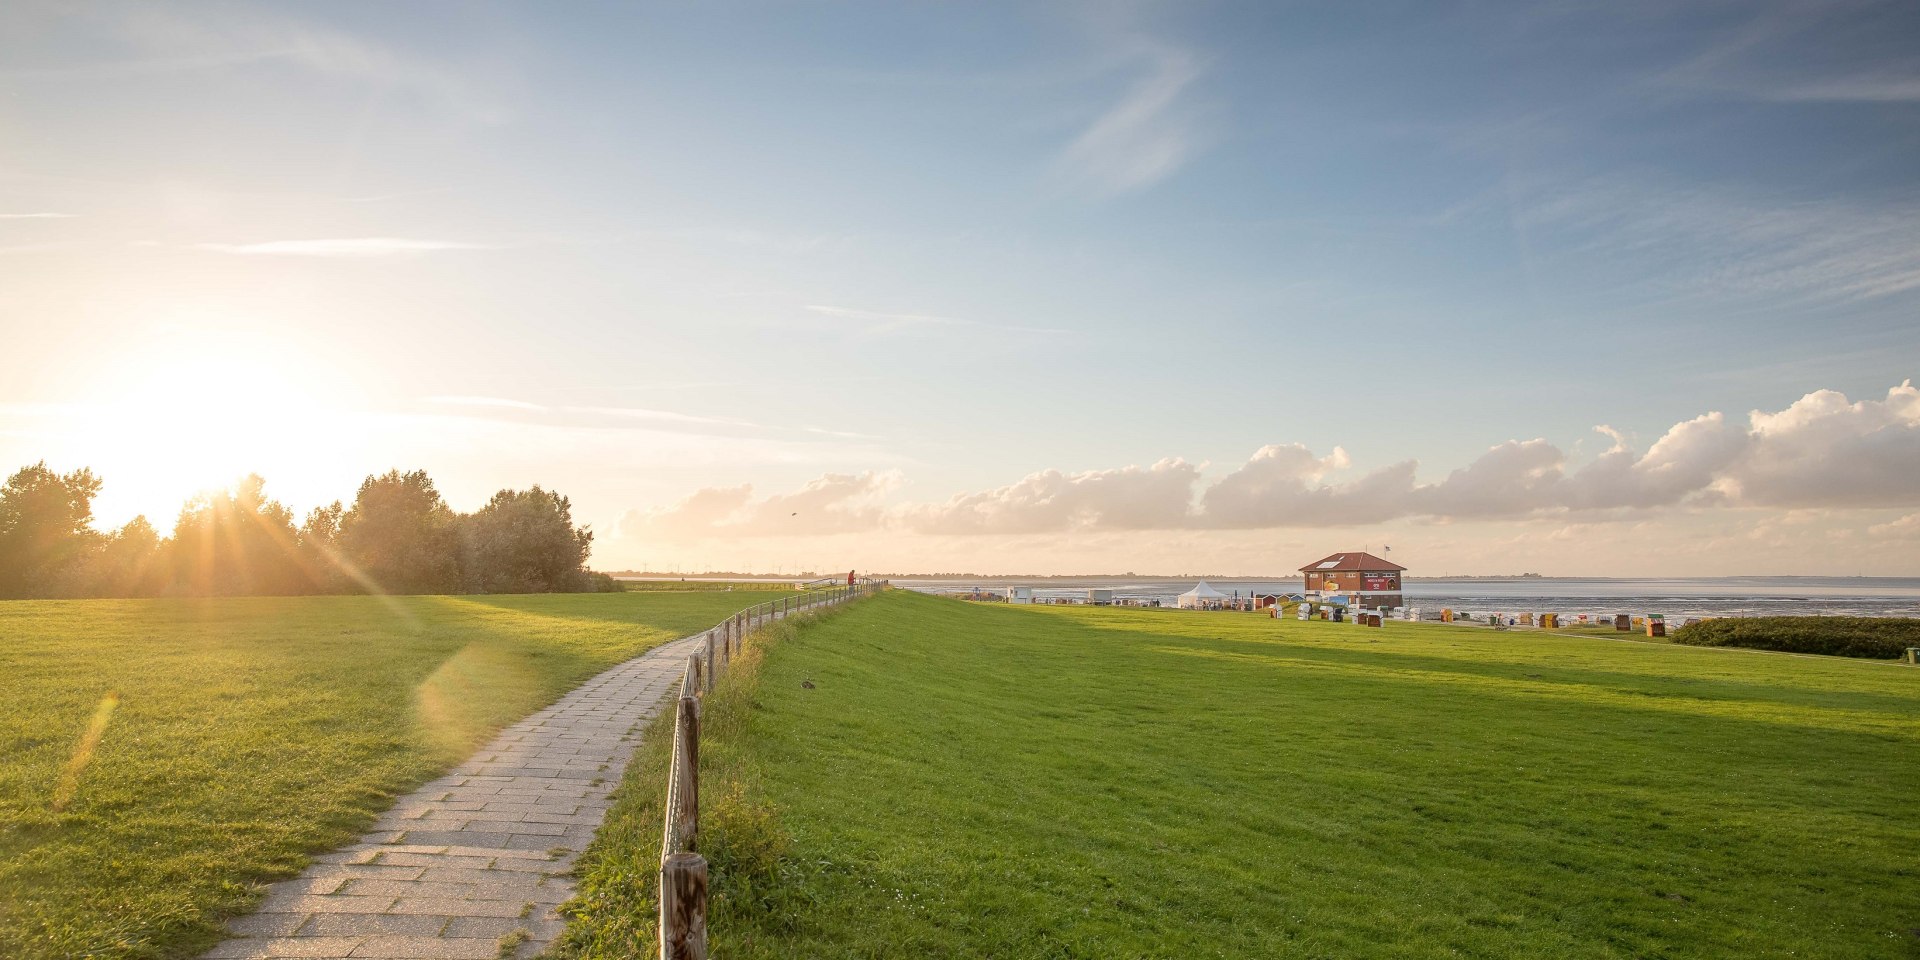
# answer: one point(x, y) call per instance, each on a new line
point(344, 247)
point(1730, 243)
point(1148, 134)
point(165, 39)
point(1860, 88)
point(524, 411)
point(37, 216)
point(1793, 52)
point(879, 323)
point(495, 402)
point(46, 247)
point(663, 416)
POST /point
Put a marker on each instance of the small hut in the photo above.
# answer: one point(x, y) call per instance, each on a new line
point(1371, 582)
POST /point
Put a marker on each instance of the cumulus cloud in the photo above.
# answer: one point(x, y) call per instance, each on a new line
point(1905, 528)
point(1130, 498)
point(1282, 485)
point(1824, 451)
point(834, 503)
point(1821, 452)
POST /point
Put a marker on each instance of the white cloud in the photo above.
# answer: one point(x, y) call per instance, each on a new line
point(879, 323)
point(1148, 134)
point(1820, 452)
point(1905, 528)
point(1283, 485)
point(1860, 88)
point(343, 247)
point(498, 402)
point(1681, 238)
point(830, 504)
point(1824, 451)
point(157, 38)
point(642, 418)
point(1130, 498)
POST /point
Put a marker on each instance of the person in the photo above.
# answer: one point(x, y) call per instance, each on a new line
point(849, 578)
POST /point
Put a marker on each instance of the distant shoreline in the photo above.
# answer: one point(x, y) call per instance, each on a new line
point(1014, 578)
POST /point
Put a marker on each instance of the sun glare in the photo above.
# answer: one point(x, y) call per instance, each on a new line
point(192, 413)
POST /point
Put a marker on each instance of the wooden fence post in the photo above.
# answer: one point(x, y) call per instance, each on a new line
point(710, 663)
point(686, 770)
point(683, 907)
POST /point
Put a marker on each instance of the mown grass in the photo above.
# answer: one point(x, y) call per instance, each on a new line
point(237, 736)
point(708, 586)
point(979, 780)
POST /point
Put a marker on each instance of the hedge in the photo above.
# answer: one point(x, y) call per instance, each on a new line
point(1875, 637)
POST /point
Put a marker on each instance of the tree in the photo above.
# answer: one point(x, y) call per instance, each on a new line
point(524, 541)
point(127, 563)
point(237, 542)
point(401, 534)
point(44, 529)
point(320, 546)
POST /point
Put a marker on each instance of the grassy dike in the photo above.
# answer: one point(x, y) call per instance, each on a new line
point(158, 758)
point(981, 780)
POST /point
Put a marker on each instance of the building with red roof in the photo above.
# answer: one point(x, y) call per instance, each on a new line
point(1369, 581)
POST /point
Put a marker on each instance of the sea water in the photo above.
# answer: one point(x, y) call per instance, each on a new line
point(1686, 597)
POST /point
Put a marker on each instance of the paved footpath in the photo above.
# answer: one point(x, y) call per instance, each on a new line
point(474, 861)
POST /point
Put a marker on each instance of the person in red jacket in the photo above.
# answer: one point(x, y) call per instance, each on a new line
point(849, 578)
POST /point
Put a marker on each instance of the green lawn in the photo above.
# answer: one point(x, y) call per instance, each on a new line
point(977, 780)
point(248, 733)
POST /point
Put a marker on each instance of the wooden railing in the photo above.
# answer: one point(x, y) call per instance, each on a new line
point(683, 872)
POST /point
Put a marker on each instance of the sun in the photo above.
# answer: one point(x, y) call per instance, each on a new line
point(186, 412)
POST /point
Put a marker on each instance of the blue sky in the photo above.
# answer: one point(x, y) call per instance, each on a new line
point(641, 251)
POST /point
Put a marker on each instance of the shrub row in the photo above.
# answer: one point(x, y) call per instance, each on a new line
point(1874, 637)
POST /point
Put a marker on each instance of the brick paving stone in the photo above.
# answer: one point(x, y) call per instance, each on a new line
point(476, 854)
point(463, 908)
point(429, 948)
point(371, 924)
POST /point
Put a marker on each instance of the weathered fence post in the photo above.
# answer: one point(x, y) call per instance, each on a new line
point(710, 663)
point(686, 770)
point(683, 907)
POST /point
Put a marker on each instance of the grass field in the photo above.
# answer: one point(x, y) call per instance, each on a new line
point(981, 780)
point(158, 757)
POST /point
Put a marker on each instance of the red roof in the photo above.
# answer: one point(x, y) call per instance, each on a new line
point(1364, 562)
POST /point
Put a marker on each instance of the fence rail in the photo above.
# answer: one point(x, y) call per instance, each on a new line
point(683, 872)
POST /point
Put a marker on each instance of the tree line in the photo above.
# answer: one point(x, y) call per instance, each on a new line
point(398, 536)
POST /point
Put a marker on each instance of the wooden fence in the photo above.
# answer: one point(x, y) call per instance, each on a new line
point(683, 873)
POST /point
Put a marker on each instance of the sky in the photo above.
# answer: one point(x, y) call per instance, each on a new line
point(1621, 288)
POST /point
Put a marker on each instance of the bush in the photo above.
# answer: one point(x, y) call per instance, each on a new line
point(591, 581)
point(1873, 637)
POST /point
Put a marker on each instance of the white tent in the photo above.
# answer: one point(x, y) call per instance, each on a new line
point(1201, 596)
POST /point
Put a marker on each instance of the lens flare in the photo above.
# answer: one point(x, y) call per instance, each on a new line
point(83, 752)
